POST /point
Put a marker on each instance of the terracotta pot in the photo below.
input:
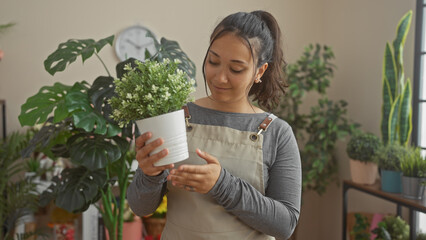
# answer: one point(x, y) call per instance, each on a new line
point(131, 230)
point(363, 172)
point(154, 226)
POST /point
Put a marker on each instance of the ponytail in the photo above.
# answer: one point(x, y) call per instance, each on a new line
point(269, 92)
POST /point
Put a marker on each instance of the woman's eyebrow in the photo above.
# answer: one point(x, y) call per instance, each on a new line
point(234, 60)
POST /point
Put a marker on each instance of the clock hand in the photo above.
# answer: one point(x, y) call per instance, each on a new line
point(134, 44)
point(146, 44)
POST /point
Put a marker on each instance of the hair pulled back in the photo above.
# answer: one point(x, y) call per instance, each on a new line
point(263, 36)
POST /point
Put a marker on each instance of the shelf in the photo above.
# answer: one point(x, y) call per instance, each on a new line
point(398, 199)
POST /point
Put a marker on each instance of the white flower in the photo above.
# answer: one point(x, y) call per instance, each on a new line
point(166, 96)
point(129, 96)
point(148, 96)
point(154, 88)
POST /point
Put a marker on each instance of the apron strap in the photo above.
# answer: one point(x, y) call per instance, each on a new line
point(263, 126)
point(187, 117)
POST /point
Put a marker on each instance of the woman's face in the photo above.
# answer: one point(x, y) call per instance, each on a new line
point(229, 69)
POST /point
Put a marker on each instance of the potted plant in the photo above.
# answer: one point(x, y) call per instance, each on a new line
point(77, 124)
point(389, 160)
point(413, 168)
point(392, 228)
point(317, 131)
point(153, 93)
point(362, 148)
point(360, 230)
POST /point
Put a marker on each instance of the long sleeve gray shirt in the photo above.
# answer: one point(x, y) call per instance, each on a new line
point(277, 212)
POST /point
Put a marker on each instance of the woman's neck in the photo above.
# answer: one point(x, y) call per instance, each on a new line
point(236, 107)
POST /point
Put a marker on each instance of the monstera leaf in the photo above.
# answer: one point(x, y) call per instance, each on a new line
point(171, 50)
point(69, 51)
point(86, 117)
point(49, 98)
point(76, 189)
point(95, 151)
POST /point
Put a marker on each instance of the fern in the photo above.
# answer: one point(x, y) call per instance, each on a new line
point(19, 197)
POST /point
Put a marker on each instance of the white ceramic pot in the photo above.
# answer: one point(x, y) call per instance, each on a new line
point(363, 172)
point(171, 127)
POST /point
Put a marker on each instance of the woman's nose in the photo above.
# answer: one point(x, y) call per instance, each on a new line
point(222, 77)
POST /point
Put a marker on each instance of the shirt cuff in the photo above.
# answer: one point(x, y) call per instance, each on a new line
point(152, 181)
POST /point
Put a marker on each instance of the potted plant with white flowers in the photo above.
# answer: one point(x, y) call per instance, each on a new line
point(152, 93)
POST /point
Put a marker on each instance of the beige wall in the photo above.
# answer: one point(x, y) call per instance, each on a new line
point(357, 31)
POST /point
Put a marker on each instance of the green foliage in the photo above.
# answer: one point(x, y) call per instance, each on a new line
point(421, 236)
point(382, 232)
point(392, 228)
point(32, 165)
point(396, 125)
point(148, 90)
point(363, 146)
point(69, 51)
point(360, 230)
point(18, 198)
point(389, 157)
point(77, 124)
point(318, 131)
point(414, 164)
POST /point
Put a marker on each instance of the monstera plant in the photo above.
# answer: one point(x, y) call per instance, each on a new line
point(77, 124)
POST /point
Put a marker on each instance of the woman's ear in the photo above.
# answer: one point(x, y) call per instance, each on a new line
point(260, 71)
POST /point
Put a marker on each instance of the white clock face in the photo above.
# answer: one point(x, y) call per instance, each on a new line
point(133, 42)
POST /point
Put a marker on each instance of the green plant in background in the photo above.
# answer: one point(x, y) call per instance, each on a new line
point(414, 164)
point(318, 131)
point(18, 197)
point(396, 122)
point(392, 228)
point(363, 146)
point(77, 124)
point(150, 89)
point(421, 236)
point(389, 157)
point(32, 165)
point(360, 230)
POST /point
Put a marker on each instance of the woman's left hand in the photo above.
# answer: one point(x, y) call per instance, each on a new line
point(197, 178)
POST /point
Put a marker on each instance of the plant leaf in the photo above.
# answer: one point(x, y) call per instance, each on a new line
point(386, 109)
point(398, 43)
point(405, 124)
point(69, 51)
point(37, 108)
point(93, 152)
point(171, 50)
point(393, 120)
point(76, 189)
point(390, 71)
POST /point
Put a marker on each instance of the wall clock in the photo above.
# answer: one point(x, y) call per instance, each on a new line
point(132, 42)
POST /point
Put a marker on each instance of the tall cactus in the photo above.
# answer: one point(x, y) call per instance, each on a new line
point(396, 122)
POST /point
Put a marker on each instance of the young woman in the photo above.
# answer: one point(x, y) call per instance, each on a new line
point(243, 177)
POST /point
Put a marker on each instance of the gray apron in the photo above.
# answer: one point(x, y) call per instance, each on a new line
point(192, 215)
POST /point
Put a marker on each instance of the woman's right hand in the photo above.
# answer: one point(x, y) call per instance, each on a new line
point(146, 162)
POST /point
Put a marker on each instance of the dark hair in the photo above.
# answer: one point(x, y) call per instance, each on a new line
point(261, 32)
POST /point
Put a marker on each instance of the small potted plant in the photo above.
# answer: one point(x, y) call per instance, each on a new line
point(389, 160)
point(392, 228)
point(362, 148)
point(153, 93)
point(413, 168)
